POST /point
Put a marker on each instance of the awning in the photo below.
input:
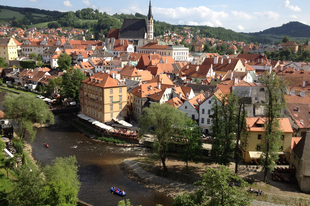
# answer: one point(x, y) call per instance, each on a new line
point(103, 126)
point(122, 122)
point(255, 154)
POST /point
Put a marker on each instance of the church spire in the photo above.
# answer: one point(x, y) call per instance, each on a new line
point(150, 15)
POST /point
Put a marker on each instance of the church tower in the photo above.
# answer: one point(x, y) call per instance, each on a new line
point(150, 25)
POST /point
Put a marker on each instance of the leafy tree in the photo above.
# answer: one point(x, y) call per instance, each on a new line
point(124, 203)
point(274, 105)
point(39, 57)
point(27, 187)
point(9, 164)
point(71, 83)
point(64, 61)
point(214, 190)
point(166, 121)
point(285, 39)
point(191, 145)
point(1, 62)
point(32, 55)
point(196, 80)
point(230, 51)
point(206, 47)
point(223, 129)
point(26, 110)
point(62, 182)
point(54, 86)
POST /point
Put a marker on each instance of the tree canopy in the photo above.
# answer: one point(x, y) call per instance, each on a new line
point(164, 121)
point(64, 61)
point(285, 39)
point(26, 110)
point(215, 189)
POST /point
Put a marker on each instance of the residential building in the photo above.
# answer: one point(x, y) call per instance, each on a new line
point(8, 49)
point(191, 106)
point(291, 45)
point(256, 135)
point(103, 98)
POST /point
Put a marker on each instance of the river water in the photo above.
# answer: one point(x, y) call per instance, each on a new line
point(99, 165)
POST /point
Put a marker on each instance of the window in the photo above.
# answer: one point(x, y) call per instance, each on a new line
point(208, 121)
point(259, 136)
point(209, 111)
point(202, 120)
point(111, 91)
point(258, 147)
point(111, 107)
point(120, 106)
point(111, 115)
point(282, 137)
point(120, 90)
point(185, 107)
point(193, 116)
point(256, 98)
point(111, 99)
point(210, 102)
point(203, 111)
point(120, 98)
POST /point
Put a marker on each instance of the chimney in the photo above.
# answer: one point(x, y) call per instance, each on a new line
point(197, 68)
point(231, 75)
point(187, 67)
point(229, 61)
point(150, 57)
point(207, 94)
point(161, 80)
point(166, 61)
point(236, 81)
point(180, 95)
point(113, 75)
point(216, 59)
point(159, 86)
point(303, 83)
point(281, 68)
point(222, 61)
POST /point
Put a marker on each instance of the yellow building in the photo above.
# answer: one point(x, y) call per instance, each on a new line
point(130, 72)
point(291, 45)
point(257, 133)
point(103, 98)
point(8, 49)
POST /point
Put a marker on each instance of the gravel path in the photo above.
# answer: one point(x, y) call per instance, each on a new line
point(174, 184)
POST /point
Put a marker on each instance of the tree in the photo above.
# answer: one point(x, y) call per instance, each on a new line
point(9, 164)
point(190, 142)
point(32, 55)
point(26, 110)
point(27, 187)
point(54, 86)
point(214, 190)
point(71, 83)
point(274, 105)
point(62, 182)
point(166, 121)
point(285, 39)
point(1, 62)
point(64, 61)
point(223, 129)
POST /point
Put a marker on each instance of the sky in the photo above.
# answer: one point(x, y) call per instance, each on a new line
point(237, 15)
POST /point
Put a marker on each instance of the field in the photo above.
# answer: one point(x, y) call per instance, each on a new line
point(5, 13)
point(41, 25)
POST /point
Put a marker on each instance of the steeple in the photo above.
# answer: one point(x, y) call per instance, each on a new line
point(150, 15)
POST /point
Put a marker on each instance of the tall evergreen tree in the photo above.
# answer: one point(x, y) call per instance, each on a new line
point(274, 105)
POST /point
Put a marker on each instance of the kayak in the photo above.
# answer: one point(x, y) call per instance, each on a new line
point(118, 191)
point(46, 145)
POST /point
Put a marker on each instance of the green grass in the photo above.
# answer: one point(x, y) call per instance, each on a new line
point(4, 89)
point(5, 183)
point(41, 25)
point(6, 13)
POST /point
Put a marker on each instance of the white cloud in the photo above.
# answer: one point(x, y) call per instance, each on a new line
point(242, 15)
point(33, 0)
point(293, 16)
point(192, 23)
point(194, 15)
point(267, 15)
point(67, 3)
point(86, 3)
point(293, 8)
point(240, 27)
point(133, 8)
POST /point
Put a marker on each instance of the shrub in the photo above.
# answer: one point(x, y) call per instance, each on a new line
point(105, 139)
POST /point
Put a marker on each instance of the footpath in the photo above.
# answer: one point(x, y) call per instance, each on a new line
point(175, 187)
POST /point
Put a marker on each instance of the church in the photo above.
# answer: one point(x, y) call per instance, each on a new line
point(136, 31)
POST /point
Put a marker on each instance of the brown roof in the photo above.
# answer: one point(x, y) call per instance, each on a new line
point(103, 80)
point(162, 78)
point(152, 45)
point(175, 102)
point(254, 124)
point(130, 71)
point(113, 33)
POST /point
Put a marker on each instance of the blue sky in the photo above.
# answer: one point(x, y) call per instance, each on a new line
point(238, 15)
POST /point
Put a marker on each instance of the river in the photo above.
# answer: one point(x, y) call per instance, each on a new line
point(99, 165)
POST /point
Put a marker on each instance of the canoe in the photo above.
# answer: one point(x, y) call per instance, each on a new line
point(118, 191)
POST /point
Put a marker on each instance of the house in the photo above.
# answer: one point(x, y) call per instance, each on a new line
point(191, 106)
point(291, 45)
point(103, 98)
point(259, 62)
point(130, 72)
point(257, 131)
point(299, 160)
point(8, 49)
point(221, 65)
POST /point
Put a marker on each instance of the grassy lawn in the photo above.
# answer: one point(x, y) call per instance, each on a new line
point(41, 25)
point(5, 13)
point(4, 89)
point(6, 184)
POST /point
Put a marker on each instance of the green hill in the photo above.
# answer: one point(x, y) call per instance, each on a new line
point(296, 31)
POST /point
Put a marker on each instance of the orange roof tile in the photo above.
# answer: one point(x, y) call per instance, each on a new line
point(103, 80)
point(254, 124)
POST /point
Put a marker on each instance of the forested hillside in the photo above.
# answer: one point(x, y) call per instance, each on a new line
point(100, 23)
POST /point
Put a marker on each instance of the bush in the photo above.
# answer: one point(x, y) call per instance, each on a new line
point(19, 146)
point(105, 139)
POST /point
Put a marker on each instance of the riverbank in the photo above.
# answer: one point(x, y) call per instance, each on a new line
point(275, 193)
